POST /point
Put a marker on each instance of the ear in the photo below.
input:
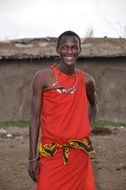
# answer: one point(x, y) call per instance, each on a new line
point(57, 50)
point(79, 50)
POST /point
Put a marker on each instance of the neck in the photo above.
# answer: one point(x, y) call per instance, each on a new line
point(67, 69)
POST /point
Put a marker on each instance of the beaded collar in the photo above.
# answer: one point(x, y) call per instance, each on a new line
point(62, 89)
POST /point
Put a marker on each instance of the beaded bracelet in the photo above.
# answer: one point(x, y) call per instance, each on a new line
point(34, 159)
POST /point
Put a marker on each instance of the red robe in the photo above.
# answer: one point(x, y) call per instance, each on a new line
point(65, 117)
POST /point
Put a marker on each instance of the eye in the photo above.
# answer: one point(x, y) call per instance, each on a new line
point(64, 48)
point(75, 48)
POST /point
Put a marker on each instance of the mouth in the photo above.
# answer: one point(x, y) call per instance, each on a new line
point(69, 58)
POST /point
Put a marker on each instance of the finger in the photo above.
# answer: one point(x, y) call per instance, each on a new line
point(37, 173)
point(32, 175)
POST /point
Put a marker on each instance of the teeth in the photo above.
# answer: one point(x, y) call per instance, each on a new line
point(69, 57)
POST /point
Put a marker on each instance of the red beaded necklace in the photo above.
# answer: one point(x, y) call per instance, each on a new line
point(62, 89)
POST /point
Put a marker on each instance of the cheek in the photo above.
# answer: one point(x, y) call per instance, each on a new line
point(76, 53)
point(72, 53)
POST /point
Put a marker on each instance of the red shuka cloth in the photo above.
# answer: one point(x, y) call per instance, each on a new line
point(65, 117)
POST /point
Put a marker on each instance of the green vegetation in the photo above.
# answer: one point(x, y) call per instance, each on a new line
point(102, 123)
point(24, 123)
point(20, 123)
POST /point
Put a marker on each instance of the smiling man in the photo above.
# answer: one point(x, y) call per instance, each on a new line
point(64, 100)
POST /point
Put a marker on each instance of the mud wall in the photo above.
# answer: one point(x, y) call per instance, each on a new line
point(110, 77)
point(16, 78)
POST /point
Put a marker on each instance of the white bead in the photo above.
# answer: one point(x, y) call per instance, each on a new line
point(66, 90)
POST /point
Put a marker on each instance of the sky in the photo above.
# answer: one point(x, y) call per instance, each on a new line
point(49, 18)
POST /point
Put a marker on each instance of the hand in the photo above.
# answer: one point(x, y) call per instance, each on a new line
point(33, 170)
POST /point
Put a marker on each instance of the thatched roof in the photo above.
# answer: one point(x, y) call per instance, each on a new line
point(45, 48)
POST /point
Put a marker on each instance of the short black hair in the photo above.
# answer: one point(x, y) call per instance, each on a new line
point(68, 33)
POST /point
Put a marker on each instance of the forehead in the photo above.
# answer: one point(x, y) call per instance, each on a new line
point(69, 39)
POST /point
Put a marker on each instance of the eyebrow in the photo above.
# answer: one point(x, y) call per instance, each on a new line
point(67, 45)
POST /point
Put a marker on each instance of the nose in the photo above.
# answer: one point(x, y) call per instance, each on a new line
point(69, 51)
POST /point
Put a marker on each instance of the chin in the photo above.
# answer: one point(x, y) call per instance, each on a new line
point(69, 62)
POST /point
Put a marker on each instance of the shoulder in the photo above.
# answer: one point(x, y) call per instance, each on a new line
point(40, 77)
point(41, 74)
point(89, 80)
point(86, 76)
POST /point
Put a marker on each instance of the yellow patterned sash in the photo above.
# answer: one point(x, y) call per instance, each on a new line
point(51, 149)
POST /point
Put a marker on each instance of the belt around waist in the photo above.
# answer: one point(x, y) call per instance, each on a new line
point(51, 149)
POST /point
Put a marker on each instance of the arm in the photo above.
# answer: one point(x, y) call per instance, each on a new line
point(91, 95)
point(34, 126)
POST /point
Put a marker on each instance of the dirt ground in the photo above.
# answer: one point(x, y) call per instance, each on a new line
point(109, 161)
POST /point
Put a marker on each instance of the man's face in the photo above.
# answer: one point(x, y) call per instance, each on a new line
point(69, 49)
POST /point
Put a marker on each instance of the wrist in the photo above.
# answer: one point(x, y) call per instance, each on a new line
point(34, 158)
